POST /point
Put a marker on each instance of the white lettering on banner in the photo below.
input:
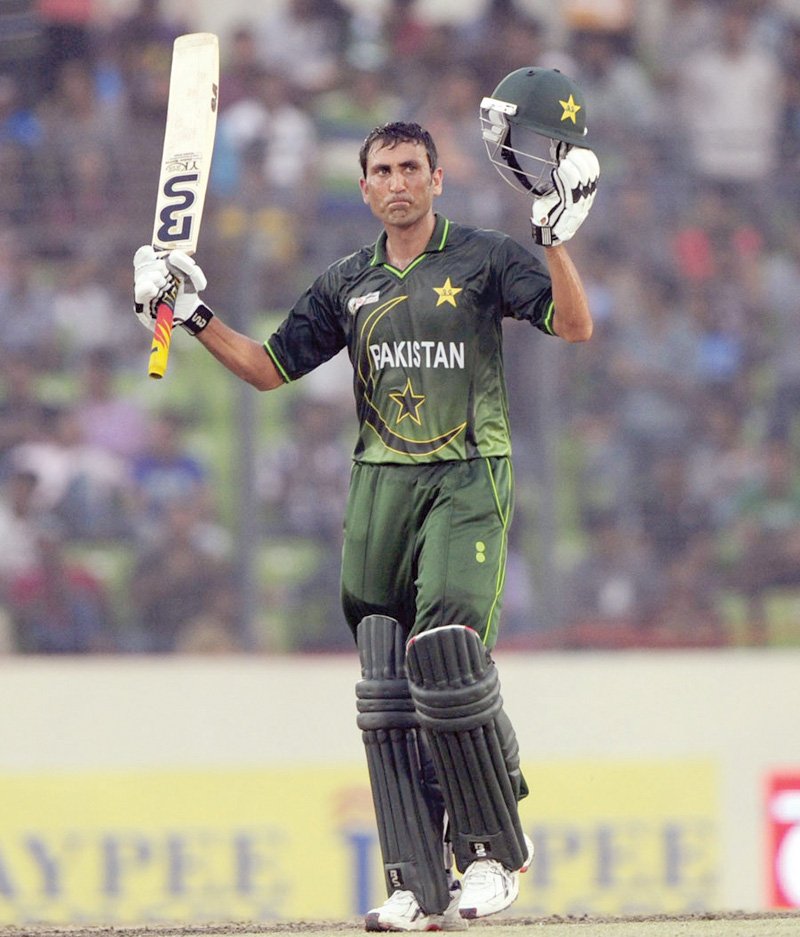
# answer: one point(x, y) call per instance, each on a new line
point(417, 354)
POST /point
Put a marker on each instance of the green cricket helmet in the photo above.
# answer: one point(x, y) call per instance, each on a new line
point(542, 108)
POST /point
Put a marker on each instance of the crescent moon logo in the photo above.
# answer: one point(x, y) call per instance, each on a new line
point(395, 442)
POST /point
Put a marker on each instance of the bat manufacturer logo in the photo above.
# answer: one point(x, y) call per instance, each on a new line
point(183, 164)
point(214, 97)
point(176, 226)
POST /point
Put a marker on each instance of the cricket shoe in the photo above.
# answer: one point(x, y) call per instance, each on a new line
point(487, 886)
point(401, 912)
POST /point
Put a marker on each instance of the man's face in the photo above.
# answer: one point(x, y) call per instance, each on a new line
point(399, 186)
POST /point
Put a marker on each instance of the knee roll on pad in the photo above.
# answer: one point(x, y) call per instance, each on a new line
point(456, 692)
point(408, 804)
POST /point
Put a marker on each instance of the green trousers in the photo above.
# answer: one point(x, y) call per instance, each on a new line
point(426, 544)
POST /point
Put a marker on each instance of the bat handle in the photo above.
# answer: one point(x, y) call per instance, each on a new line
point(162, 336)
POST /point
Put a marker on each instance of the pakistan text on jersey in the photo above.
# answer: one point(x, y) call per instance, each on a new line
point(410, 354)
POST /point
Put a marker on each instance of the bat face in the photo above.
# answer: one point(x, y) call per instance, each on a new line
point(188, 141)
point(178, 216)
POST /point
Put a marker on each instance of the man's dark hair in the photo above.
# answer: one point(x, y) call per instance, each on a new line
point(398, 132)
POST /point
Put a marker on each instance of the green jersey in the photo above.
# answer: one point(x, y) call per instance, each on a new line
point(425, 342)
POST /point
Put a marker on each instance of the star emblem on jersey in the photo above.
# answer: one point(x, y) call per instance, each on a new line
point(570, 109)
point(447, 293)
point(408, 403)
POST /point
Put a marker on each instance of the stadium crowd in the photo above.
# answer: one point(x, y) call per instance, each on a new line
point(659, 493)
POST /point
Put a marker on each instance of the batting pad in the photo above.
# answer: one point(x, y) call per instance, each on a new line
point(408, 803)
point(456, 692)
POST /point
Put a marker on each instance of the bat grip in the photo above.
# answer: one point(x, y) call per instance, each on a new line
point(162, 336)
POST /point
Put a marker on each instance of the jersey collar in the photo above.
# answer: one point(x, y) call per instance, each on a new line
point(437, 242)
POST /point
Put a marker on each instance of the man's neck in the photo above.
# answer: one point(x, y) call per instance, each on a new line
point(406, 244)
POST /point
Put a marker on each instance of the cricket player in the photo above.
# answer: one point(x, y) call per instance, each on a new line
point(426, 526)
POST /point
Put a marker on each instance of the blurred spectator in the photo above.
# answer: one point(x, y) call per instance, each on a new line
point(214, 629)
point(84, 310)
point(643, 201)
point(60, 606)
point(20, 44)
point(613, 593)
point(669, 516)
point(729, 106)
point(83, 142)
point(17, 187)
point(715, 238)
point(174, 578)
point(683, 27)
point(721, 461)
point(112, 421)
point(449, 114)
point(344, 116)
point(302, 481)
point(146, 30)
point(605, 475)
point(781, 283)
point(404, 32)
point(26, 301)
point(21, 138)
point(87, 218)
point(267, 120)
point(303, 486)
point(140, 47)
point(84, 486)
point(305, 40)
point(21, 411)
point(789, 139)
point(240, 61)
point(165, 473)
point(608, 16)
point(652, 371)
point(67, 34)
point(504, 37)
point(266, 172)
point(722, 352)
point(19, 521)
point(690, 614)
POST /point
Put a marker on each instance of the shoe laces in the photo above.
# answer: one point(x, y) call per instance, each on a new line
point(402, 897)
point(485, 870)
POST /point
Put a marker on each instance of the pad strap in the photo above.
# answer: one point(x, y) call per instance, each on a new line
point(456, 691)
point(408, 803)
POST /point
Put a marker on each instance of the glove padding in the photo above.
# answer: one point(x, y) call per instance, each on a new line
point(172, 277)
point(556, 216)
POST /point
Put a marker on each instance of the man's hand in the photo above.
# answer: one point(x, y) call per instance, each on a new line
point(556, 217)
point(172, 277)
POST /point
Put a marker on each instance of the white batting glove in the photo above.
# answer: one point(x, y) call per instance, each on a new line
point(172, 277)
point(556, 216)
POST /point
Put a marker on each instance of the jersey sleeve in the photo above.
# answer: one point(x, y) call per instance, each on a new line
point(524, 284)
point(310, 334)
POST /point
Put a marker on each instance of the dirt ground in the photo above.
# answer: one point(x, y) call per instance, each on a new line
point(767, 924)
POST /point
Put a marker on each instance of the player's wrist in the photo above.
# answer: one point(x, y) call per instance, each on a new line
point(198, 319)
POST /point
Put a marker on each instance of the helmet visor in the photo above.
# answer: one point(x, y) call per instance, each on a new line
point(524, 158)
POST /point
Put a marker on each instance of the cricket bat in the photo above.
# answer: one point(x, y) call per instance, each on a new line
point(185, 165)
